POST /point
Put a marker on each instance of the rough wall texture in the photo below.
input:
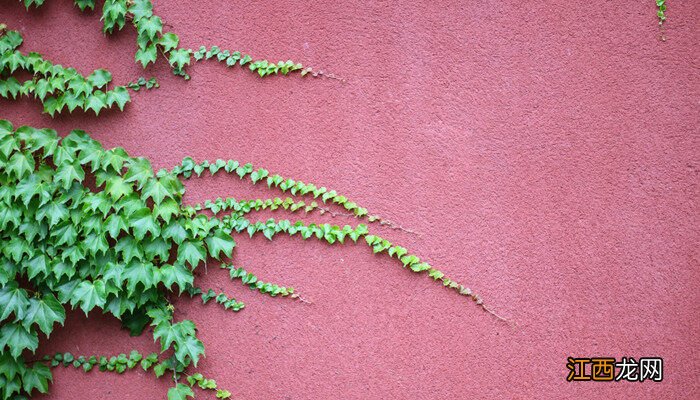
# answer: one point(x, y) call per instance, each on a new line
point(546, 154)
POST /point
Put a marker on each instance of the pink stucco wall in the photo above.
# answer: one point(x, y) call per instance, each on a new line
point(545, 153)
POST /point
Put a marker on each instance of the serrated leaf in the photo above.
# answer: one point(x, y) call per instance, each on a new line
point(180, 392)
point(99, 78)
point(89, 295)
point(13, 299)
point(36, 378)
point(139, 272)
point(142, 222)
point(96, 101)
point(119, 96)
point(192, 253)
point(146, 55)
point(45, 312)
point(138, 170)
point(190, 347)
point(176, 274)
point(16, 338)
point(169, 41)
point(220, 242)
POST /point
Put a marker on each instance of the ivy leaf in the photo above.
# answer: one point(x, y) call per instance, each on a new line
point(96, 101)
point(36, 266)
point(191, 252)
point(175, 231)
point(20, 164)
point(220, 242)
point(179, 58)
point(157, 189)
point(138, 170)
point(146, 55)
point(115, 224)
point(166, 210)
point(13, 300)
point(45, 312)
point(139, 272)
point(117, 188)
point(142, 221)
point(169, 41)
point(89, 295)
point(37, 377)
point(157, 248)
point(85, 4)
point(9, 87)
point(99, 78)
point(150, 27)
point(17, 338)
point(190, 347)
point(168, 333)
point(177, 274)
point(180, 392)
point(140, 9)
point(119, 96)
point(67, 173)
point(72, 100)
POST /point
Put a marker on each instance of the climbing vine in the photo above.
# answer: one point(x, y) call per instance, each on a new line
point(661, 13)
point(91, 228)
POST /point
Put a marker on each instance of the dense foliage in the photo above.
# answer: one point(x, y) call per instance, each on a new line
point(94, 229)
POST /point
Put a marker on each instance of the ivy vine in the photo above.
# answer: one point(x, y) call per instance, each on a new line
point(96, 229)
point(661, 12)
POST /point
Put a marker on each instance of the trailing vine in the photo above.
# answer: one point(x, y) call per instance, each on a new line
point(96, 229)
point(661, 12)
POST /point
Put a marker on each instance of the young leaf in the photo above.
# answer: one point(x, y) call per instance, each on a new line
point(44, 312)
point(180, 392)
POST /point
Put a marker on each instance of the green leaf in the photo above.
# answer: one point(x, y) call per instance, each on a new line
point(36, 378)
point(66, 173)
point(138, 170)
point(85, 4)
point(139, 272)
point(150, 27)
point(157, 189)
point(190, 347)
point(45, 312)
point(99, 78)
point(169, 334)
point(136, 322)
point(119, 96)
point(146, 55)
point(96, 101)
point(89, 295)
point(115, 224)
point(17, 338)
point(141, 222)
point(117, 188)
point(191, 252)
point(180, 392)
point(140, 9)
point(20, 164)
point(220, 242)
point(13, 300)
point(169, 41)
point(179, 58)
point(176, 274)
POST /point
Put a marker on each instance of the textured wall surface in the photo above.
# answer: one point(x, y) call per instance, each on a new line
point(545, 153)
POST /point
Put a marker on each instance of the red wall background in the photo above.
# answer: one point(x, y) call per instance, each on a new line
point(545, 153)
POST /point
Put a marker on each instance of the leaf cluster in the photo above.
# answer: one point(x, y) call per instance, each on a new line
point(56, 87)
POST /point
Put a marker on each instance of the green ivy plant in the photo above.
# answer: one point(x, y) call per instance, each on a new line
point(98, 230)
point(661, 13)
point(61, 88)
